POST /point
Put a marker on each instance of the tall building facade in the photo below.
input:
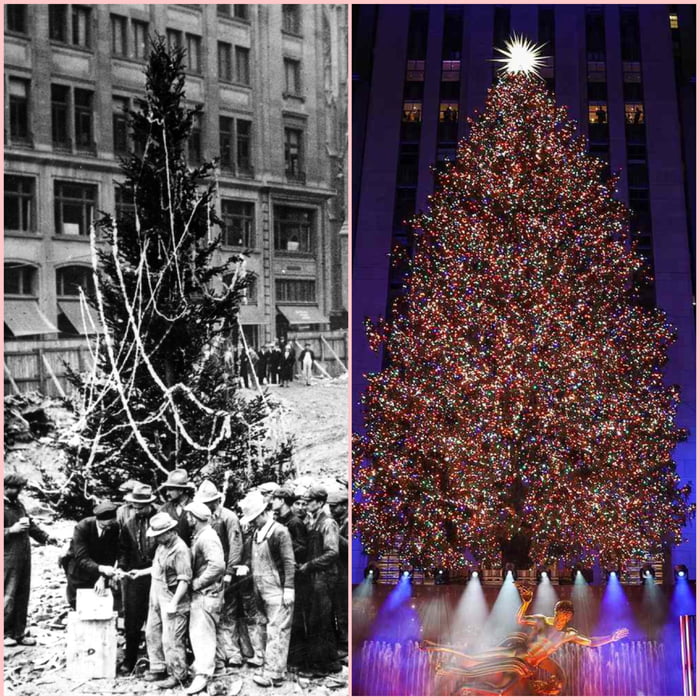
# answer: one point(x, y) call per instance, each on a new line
point(626, 75)
point(273, 82)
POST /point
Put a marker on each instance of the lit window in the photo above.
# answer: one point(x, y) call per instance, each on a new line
point(673, 20)
point(193, 53)
point(224, 56)
point(293, 153)
point(596, 72)
point(140, 32)
point(415, 71)
point(70, 280)
point(294, 230)
point(239, 223)
point(242, 65)
point(449, 112)
point(16, 18)
point(120, 124)
point(634, 113)
point(296, 291)
point(292, 81)
point(19, 203)
point(19, 109)
point(118, 35)
point(74, 208)
point(20, 279)
point(450, 71)
point(412, 111)
point(291, 19)
point(597, 113)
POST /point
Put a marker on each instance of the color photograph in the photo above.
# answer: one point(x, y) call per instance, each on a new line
point(523, 361)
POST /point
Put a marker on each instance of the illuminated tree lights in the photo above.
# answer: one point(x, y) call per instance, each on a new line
point(523, 410)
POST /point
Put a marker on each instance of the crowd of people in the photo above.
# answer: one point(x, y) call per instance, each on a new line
point(274, 363)
point(265, 586)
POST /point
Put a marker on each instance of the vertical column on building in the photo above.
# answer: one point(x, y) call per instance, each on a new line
point(478, 23)
point(569, 74)
point(616, 108)
point(671, 255)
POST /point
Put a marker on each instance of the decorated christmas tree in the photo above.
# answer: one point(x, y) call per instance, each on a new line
point(522, 415)
point(163, 392)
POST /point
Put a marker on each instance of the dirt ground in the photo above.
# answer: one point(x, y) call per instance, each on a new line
point(318, 416)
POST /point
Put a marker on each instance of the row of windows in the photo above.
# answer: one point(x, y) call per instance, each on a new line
point(72, 126)
point(75, 206)
point(71, 280)
point(72, 24)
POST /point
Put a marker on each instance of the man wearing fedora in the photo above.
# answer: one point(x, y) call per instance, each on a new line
point(93, 551)
point(136, 551)
point(168, 603)
point(178, 490)
point(272, 565)
point(321, 567)
point(208, 569)
point(226, 525)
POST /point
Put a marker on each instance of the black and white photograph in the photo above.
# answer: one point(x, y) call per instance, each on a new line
point(176, 448)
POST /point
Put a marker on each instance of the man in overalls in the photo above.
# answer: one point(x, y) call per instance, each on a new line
point(272, 564)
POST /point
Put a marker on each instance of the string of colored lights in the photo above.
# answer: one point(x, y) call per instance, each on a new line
point(524, 398)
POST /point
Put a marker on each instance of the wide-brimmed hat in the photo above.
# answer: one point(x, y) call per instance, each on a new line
point(128, 485)
point(337, 496)
point(251, 506)
point(267, 488)
point(142, 493)
point(105, 510)
point(177, 479)
point(160, 523)
point(207, 492)
point(199, 510)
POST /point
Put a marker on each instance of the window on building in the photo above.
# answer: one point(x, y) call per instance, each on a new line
point(19, 203)
point(118, 35)
point(59, 115)
point(83, 119)
point(239, 223)
point(224, 10)
point(412, 112)
point(70, 280)
point(242, 65)
point(244, 153)
point(501, 26)
point(408, 165)
point(194, 143)
point(291, 19)
point(224, 56)
point(293, 153)
point(20, 279)
point(629, 33)
point(449, 112)
point(16, 18)
point(292, 77)
point(194, 47)
point(595, 33)
point(226, 136)
point(140, 33)
point(452, 33)
point(634, 113)
point(638, 176)
point(174, 39)
point(124, 207)
point(19, 109)
point(240, 11)
point(294, 230)
point(58, 23)
point(672, 18)
point(417, 33)
point(450, 71)
point(545, 29)
point(74, 207)
point(120, 124)
point(296, 291)
point(81, 18)
point(631, 72)
point(597, 113)
point(415, 71)
point(596, 72)
point(404, 206)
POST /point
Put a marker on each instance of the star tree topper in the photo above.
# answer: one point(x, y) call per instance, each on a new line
point(521, 56)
